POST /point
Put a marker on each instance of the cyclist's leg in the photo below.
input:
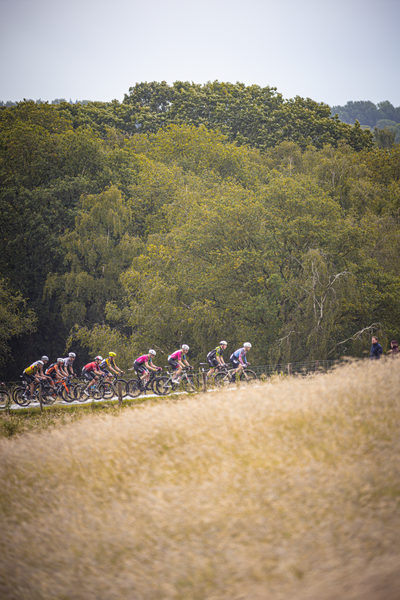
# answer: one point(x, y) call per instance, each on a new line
point(30, 381)
point(235, 366)
point(213, 364)
point(90, 378)
point(176, 368)
point(141, 372)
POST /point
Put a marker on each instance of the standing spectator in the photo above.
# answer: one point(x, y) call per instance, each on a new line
point(394, 351)
point(376, 349)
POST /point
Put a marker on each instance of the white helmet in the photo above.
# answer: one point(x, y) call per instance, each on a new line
point(98, 358)
point(223, 343)
point(152, 352)
point(185, 347)
point(72, 355)
point(40, 362)
point(60, 360)
point(247, 345)
point(45, 358)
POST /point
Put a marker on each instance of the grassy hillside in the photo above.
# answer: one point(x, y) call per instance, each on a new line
point(290, 490)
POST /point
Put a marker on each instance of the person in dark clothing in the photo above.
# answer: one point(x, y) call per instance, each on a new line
point(394, 350)
point(376, 349)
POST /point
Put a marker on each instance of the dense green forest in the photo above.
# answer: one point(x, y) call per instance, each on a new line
point(191, 213)
point(382, 118)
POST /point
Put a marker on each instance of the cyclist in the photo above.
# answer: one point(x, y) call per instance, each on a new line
point(215, 358)
point(178, 361)
point(55, 371)
point(109, 364)
point(238, 359)
point(34, 373)
point(68, 365)
point(91, 372)
point(142, 365)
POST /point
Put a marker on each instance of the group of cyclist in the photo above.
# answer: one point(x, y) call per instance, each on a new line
point(62, 368)
point(101, 367)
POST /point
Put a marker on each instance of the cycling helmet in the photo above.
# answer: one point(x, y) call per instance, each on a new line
point(152, 352)
point(98, 358)
point(247, 345)
point(112, 354)
point(72, 355)
point(46, 358)
point(223, 343)
point(60, 360)
point(185, 347)
point(40, 362)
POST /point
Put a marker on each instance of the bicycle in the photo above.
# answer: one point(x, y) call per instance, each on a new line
point(135, 387)
point(5, 398)
point(205, 367)
point(113, 390)
point(226, 376)
point(166, 384)
point(64, 390)
point(96, 390)
point(21, 394)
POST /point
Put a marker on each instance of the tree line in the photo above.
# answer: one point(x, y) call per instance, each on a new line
point(382, 118)
point(192, 214)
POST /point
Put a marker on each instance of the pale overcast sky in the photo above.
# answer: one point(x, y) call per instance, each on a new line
point(97, 49)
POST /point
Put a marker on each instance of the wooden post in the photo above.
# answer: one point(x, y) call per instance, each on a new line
point(316, 365)
point(204, 381)
point(119, 390)
point(40, 398)
point(289, 369)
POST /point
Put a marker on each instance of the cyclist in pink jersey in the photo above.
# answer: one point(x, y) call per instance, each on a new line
point(145, 362)
point(178, 361)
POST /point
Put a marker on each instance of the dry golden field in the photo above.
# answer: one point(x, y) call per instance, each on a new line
point(288, 491)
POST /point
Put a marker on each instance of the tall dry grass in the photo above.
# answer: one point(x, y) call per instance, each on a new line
point(287, 491)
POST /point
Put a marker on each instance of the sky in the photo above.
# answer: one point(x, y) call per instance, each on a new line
point(331, 52)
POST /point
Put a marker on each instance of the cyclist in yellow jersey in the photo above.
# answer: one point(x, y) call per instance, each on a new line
point(108, 364)
point(34, 373)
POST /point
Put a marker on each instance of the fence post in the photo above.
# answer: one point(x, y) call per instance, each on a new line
point(119, 390)
point(40, 398)
point(204, 381)
point(316, 365)
point(289, 368)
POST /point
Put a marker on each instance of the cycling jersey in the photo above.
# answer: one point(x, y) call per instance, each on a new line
point(53, 370)
point(32, 369)
point(90, 367)
point(239, 355)
point(216, 352)
point(107, 362)
point(68, 361)
point(144, 359)
point(178, 355)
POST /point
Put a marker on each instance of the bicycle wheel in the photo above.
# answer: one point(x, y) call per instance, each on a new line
point(222, 379)
point(5, 399)
point(79, 393)
point(164, 386)
point(20, 396)
point(124, 387)
point(187, 383)
point(248, 377)
point(133, 388)
point(49, 394)
point(156, 382)
point(106, 390)
point(68, 392)
point(94, 391)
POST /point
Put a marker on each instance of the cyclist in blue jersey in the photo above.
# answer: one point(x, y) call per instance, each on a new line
point(238, 359)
